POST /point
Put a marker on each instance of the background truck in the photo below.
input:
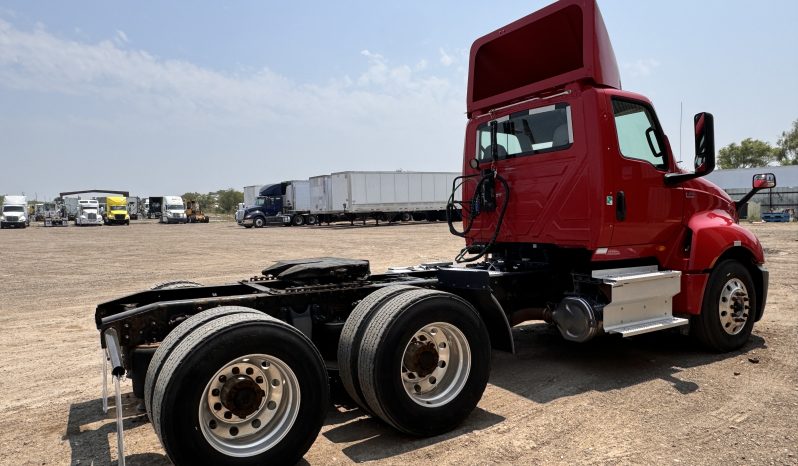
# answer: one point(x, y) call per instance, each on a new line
point(173, 210)
point(387, 196)
point(14, 212)
point(71, 206)
point(574, 212)
point(134, 207)
point(116, 211)
point(88, 213)
point(286, 203)
point(154, 206)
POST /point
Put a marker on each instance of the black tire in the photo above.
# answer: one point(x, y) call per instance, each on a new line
point(419, 216)
point(176, 336)
point(170, 285)
point(297, 220)
point(352, 335)
point(258, 222)
point(311, 220)
point(380, 361)
point(190, 367)
point(707, 326)
point(406, 217)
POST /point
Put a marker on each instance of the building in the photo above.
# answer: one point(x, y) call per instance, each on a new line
point(737, 182)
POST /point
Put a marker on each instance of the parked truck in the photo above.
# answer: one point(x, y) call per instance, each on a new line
point(574, 212)
point(286, 203)
point(115, 212)
point(154, 206)
point(88, 213)
point(173, 210)
point(14, 212)
point(388, 196)
point(70, 205)
point(134, 207)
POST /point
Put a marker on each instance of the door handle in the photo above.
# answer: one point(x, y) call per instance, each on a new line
point(620, 206)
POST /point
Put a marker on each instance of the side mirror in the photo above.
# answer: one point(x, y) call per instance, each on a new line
point(764, 181)
point(704, 125)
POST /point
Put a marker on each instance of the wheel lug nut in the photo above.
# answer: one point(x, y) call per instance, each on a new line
point(215, 392)
point(236, 370)
point(217, 406)
point(259, 379)
point(228, 415)
point(223, 378)
point(256, 423)
point(250, 371)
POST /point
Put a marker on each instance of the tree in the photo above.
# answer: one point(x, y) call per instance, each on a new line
point(750, 153)
point(229, 200)
point(788, 146)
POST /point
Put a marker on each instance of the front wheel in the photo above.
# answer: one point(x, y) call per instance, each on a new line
point(258, 222)
point(727, 313)
point(241, 390)
point(424, 361)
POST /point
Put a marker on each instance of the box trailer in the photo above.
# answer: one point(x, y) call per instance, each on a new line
point(286, 203)
point(251, 194)
point(383, 195)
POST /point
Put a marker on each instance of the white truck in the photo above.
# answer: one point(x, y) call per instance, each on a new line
point(14, 213)
point(88, 213)
point(173, 210)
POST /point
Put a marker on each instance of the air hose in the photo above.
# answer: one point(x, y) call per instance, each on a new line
point(483, 194)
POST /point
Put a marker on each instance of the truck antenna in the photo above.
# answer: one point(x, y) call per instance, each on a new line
point(681, 115)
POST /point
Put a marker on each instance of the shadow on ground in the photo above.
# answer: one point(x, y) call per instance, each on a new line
point(91, 433)
point(546, 367)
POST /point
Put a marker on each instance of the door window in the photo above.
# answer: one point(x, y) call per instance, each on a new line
point(639, 136)
point(529, 132)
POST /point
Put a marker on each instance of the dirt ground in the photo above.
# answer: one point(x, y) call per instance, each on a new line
point(650, 399)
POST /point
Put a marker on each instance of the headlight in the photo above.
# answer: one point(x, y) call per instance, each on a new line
point(2, 217)
point(248, 215)
point(21, 218)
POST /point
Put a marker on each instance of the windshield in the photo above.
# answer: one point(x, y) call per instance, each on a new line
point(544, 129)
point(174, 207)
point(118, 207)
point(13, 208)
point(260, 201)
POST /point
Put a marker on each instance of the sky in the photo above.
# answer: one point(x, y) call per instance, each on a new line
point(169, 97)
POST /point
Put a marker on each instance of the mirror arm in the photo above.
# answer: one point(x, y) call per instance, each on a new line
point(744, 200)
point(672, 179)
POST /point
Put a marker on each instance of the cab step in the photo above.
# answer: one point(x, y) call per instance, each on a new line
point(641, 299)
point(638, 328)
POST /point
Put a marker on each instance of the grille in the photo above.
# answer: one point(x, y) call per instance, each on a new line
point(92, 216)
point(12, 219)
point(119, 216)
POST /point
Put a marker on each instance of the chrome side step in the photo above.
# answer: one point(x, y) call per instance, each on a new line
point(641, 299)
point(637, 328)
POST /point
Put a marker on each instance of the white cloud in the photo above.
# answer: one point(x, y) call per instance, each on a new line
point(446, 59)
point(121, 37)
point(368, 121)
point(642, 67)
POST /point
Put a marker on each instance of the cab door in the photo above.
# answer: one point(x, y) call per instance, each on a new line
point(647, 212)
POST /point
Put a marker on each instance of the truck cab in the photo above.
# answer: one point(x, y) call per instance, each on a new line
point(173, 210)
point(14, 212)
point(88, 213)
point(116, 211)
point(562, 164)
point(268, 208)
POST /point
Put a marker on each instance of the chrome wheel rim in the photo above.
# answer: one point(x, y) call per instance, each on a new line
point(435, 364)
point(249, 405)
point(733, 306)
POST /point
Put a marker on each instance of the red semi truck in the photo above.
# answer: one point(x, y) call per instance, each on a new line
point(574, 212)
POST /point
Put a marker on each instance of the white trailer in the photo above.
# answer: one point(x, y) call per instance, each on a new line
point(251, 194)
point(71, 205)
point(297, 196)
point(382, 195)
point(321, 194)
point(88, 213)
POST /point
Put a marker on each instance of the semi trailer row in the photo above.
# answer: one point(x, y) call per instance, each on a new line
point(351, 196)
point(574, 212)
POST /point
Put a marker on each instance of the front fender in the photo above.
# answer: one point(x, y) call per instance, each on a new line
point(714, 233)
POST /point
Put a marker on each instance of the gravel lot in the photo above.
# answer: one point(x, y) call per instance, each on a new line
point(649, 399)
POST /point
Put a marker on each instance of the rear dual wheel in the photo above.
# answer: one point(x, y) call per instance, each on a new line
point(418, 359)
point(239, 388)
